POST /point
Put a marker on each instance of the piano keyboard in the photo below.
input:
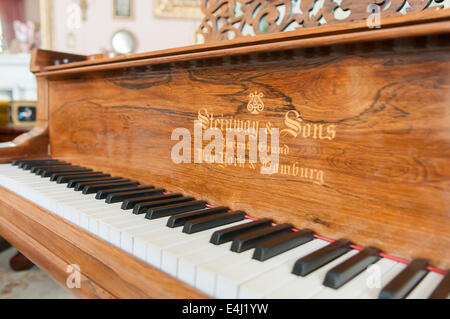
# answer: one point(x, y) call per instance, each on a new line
point(223, 253)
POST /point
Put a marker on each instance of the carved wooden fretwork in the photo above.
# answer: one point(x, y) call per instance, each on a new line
point(230, 19)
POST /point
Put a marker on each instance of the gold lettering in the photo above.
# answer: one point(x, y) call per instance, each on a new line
point(306, 130)
point(319, 177)
point(331, 130)
point(285, 169)
point(203, 118)
point(293, 124)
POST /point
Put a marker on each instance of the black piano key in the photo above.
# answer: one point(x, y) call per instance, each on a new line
point(34, 167)
point(48, 173)
point(282, 243)
point(349, 269)
point(442, 291)
point(62, 178)
point(143, 207)
point(204, 223)
point(172, 209)
point(22, 163)
point(228, 234)
point(90, 189)
point(78, 185)
point(405, 281)
point(249, 240)
point(115, 196)
point(30, 167)
point(317, 259)
point(181, 219)
point(91, 179)
point(54, 176)
point(38, 168)
point(159, 196)
point(19, 162)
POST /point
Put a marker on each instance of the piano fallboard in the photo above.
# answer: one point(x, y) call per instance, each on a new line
point(373, 164)
point(362, 117)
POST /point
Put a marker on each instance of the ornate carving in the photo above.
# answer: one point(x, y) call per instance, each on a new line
point(255, 105)
point(181, 9)
point(230, 19)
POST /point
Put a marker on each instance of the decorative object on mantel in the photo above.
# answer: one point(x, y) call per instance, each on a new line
point(83, 7)
point(71, 40)
point(23, 114)
point(47, 22)
point(230, 19)
point(4, 113)
point(123, 42)
point(181, 9)
point(76, 13)
point(123, 9)
point(27, 37)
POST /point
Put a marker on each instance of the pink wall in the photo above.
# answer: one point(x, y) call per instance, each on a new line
point(32, 10)
point(95, 33)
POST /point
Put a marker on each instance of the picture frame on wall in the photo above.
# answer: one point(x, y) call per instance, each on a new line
point(123, 9)
point(178, 9)
point(23, 113)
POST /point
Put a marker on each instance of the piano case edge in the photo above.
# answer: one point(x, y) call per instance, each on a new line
point(105, 271)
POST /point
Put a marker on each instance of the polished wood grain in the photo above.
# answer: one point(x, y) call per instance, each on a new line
point(34, 143)
point(46, 58)
point(8, 133)
point(385, 173)
point(106, 271)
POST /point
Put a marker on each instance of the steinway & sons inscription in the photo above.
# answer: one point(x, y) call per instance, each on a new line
point(246, 143)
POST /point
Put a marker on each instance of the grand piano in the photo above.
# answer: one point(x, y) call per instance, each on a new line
point(340, 189)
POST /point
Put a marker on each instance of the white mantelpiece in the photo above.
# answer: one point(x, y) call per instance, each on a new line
point(15, 76)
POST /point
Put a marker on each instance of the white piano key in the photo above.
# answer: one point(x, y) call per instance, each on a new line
point(157, 229)
point(187, 265)
point(130, 233)
point(230, 280)
point(298, 287)
point(207, 273)
point(148, 244)
point(357, 285)
point(198, 241)
point(158, 245)
point(115, 231)
point(113, 225)
point(170, 255)
point(191, 258)
point(376, 284)
point(426, 286)
point(261, 285)
point(183, 258)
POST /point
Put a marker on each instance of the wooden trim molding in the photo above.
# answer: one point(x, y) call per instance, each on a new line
point(34, 143)
point(179, 9)
point(47, 30)
point(415, 24)
point(106, 271)
point(231, 19)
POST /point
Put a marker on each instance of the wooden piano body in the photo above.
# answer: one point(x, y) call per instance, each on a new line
point(364, 129)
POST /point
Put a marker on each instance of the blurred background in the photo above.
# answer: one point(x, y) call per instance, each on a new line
point(110, 27)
